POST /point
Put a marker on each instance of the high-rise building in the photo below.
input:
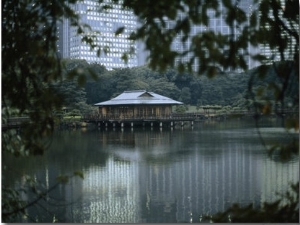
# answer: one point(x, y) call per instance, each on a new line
point(104, 24)
point(216, 24)
point(290, 43)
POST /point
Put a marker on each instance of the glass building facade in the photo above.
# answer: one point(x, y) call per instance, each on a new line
point(104, 24)
point(216, 24)
point(273, 54)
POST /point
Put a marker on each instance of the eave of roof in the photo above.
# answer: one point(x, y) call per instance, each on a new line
point(139, 97)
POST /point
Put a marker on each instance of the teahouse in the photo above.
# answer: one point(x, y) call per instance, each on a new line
point(138, 104)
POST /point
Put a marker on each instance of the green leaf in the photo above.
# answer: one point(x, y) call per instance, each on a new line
point(211, 72)
point(63, 179)
point(119, 31)
point(253, 20)
point(79, 174)
point(125, 57)
point(106, 49)
point(259, 57)
point(93, 74)
point(98, 52)
point(80, 30)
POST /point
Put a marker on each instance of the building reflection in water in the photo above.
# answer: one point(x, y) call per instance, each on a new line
point(111, 193)
point(147, 178)
point(153, 176)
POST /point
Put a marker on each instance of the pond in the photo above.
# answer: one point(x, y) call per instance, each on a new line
point(148, 175)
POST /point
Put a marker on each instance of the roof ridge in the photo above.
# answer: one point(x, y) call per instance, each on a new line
point(134, 91)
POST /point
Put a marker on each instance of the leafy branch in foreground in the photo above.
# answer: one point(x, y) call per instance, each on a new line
point(13, 205)
point(30, 64)
point(283, 210)
point(30, 67)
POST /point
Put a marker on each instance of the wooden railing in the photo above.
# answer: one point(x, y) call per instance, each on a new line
point(176, 116)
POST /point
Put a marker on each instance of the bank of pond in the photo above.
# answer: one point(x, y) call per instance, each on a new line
point(176, 120)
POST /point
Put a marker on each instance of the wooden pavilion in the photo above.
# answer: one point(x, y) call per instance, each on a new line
point(139, 104)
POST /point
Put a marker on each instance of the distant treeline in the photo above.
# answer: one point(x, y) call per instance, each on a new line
point(226, 89)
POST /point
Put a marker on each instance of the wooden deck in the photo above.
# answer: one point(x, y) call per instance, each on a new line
point(116, 120)
point(174, 120)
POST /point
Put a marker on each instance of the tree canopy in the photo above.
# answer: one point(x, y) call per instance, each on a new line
point(185, 87)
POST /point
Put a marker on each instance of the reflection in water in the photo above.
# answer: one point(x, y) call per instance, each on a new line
point(111, 194)
point(144, 175)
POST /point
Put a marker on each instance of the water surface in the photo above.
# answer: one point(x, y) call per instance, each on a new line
point(158, 175)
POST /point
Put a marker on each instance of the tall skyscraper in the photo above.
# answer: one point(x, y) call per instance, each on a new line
point(216, 25)
point(272, 53)
point(104, 24)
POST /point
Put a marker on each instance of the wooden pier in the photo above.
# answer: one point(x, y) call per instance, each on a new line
point(175, 119)
point(117, 121)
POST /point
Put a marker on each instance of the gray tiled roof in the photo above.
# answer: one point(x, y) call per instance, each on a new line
point(139, 97)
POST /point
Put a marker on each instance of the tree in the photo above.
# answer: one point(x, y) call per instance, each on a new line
point(185, 95)
point(30, 64)
point(126, 80)
point(70, 92)
point(29, 68)
point(98, 89)
point(163, 87)
point(196, 91)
